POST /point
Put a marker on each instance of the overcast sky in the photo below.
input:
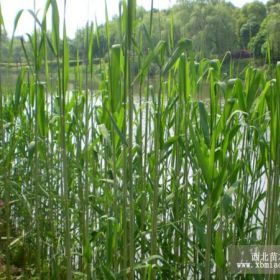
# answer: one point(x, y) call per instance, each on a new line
point(78, 12)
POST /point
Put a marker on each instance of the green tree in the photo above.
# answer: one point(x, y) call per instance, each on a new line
point(212, 28)
point(252, 15)
point(268, 37)
point(273, 32)
point(4, 46)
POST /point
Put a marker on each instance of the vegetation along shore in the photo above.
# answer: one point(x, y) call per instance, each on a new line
point(142, 148)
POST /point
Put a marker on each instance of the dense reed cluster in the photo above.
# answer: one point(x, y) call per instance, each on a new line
point(135, 177)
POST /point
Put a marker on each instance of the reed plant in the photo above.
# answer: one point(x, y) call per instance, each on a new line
point(134, 177)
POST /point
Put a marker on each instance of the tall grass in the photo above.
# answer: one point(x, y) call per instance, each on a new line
point(4, 168)
point(142, 178)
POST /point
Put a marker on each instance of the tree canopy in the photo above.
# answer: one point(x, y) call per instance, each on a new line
point(215, 27)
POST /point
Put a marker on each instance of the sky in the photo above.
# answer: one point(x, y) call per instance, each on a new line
point(78, 12)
